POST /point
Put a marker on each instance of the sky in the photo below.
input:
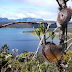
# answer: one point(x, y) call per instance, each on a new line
point(17, 9)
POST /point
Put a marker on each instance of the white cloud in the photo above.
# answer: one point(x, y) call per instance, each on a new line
point(46, 15)
point(12, 15)
point(50, 13)
point(42, 3)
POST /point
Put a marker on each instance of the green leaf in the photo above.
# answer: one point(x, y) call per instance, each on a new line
point(37, 32)
point(50, 33)
point(51, 36)
point(41, 28)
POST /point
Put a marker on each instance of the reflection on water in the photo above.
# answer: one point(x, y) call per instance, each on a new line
point(14, 38)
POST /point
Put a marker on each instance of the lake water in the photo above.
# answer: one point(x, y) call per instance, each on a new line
point(14, 38)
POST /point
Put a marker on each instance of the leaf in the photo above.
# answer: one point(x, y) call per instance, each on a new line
point(41, 28)
point(52, 35)
point(37, 32)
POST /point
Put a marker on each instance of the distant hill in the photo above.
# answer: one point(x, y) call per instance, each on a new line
point(26, 25)
point(23, 19)
point(29, 19)
point(5, 20)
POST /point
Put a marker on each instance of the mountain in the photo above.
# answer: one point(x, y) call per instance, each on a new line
point(23, 19)
point(4, 20)
point(26, 25)
point(29, 19)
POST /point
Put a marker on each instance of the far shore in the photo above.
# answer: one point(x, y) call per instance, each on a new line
point(56, 33)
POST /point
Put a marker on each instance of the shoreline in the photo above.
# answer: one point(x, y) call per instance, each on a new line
point(69, 32)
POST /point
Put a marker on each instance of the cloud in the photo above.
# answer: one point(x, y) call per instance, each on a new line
point(6, 8)
point(10, 15)
point(42, 3)
point(34, 13)
point(49, 13)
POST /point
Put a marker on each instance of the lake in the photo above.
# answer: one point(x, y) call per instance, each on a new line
point(14, 38)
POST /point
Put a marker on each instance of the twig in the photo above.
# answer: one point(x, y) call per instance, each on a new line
point(38, 47)
point(68, 40)
point(4, 65)
point(53, 31)
point(40, 43)
point(39, 65)
point(68, 47)
point(4, 25)
point(47, 27)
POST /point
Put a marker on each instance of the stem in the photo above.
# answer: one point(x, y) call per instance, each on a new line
point(58, 3)
point(38, 64)
point(38, 47)
point(68, 47)
point(39, 39)
point(66, 35)
point(68, 40)
point(44, 40)
point(53, 31)
point(62, 38)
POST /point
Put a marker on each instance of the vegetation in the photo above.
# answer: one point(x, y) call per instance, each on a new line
point(24, 63)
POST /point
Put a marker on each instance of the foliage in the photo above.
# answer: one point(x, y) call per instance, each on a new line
point(52, 35)
point(32, 66)
point(69, 61)
point(26, 65)
point(24, 52)
point(7, 59)
point(10, 61)
point(41, 28)
point(2, 56)
point(37, 32)
point(43, 67)
point(5, 47)
point(20, 59)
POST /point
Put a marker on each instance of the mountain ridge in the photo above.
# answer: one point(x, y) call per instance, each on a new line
point(23, 19)
point(26, 25)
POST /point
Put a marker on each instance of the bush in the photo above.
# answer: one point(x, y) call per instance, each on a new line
point(20, 59)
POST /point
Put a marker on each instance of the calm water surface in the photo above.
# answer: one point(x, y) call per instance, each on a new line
point(14, 38)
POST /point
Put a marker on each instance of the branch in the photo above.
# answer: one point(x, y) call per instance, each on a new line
point(38, 47)
point(62, 3)
point(39, 65)
point(68, 40)
point(68, 47)
point(53, 31)
point(41, 41)
point(11, 23)
point(59, 4)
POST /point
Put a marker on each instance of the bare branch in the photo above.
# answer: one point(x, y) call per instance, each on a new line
point(68, 47)
point(58, 3)
point(62, 3)
point(68, 40)
point(38, 47)
point(11, 23)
